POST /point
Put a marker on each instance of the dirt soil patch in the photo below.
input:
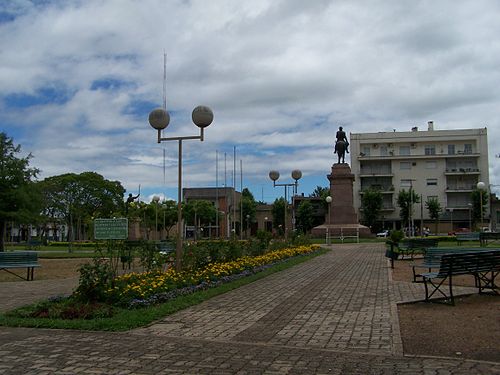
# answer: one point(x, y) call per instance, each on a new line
point(470, 329)
point(50, 269)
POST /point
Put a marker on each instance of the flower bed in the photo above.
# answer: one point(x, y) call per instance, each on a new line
point(139, 289)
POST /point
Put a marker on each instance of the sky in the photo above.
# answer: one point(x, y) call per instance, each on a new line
point(78, 80)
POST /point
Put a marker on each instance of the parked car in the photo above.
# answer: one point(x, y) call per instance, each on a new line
point(458, 230)
point(384, 233)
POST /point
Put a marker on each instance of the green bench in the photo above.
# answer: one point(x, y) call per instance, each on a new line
point(467, 237)
point(432, 258)
point(485, 237)
point(19, 259)
point(33, 244)
point(483, 265)
point(411, 246)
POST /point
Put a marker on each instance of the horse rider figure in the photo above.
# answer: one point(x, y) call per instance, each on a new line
point(341, 137)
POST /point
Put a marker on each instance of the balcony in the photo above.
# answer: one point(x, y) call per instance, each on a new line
point(461, 171)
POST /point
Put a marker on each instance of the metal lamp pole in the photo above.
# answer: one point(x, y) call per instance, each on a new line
point(481, 186)
point(159, 119)
point(328, 200)
point(156, 199)
point(296, 175)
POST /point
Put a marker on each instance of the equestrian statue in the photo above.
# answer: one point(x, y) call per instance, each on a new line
point(341, 145)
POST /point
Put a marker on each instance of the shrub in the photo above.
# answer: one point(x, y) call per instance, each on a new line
point(95, 279)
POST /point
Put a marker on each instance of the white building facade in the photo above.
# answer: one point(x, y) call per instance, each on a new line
point(441, 164)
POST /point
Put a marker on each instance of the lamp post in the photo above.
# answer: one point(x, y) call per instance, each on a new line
point(481, 186)
point(248, 222)
point(265, 223)
point(451, 218)
point(159, 119)
point(328, 200)
point(156, 199)
point(296, 175)
point(470, 216)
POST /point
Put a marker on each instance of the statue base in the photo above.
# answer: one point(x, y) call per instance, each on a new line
point(343, 220)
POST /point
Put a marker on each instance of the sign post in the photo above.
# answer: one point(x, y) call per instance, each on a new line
point(111, 229)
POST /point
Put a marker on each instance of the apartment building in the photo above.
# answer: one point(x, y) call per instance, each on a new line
point(441, 164)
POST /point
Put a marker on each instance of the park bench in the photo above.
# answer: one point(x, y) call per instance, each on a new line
point(33, 244)
point(485, 237)
point(165, 247)
point(484, 265)
point(19, 259)
point(411, 246)
point(432, 258)
point(467, 237)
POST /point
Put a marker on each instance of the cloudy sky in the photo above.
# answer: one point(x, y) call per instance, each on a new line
point(79, 78)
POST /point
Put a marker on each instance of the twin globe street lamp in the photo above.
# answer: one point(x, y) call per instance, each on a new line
point(296, 175)
point(159, 119)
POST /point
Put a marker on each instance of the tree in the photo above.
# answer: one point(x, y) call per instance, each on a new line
point(321, 192)
point(79, 198)
point(435, 209)
point(278, 212)
point(249, 208)
point(476, 204)
point(19, 199)
point(199, 212)
point(371, 204)
point(405, 201)
point(304, 217)
point(168, 215)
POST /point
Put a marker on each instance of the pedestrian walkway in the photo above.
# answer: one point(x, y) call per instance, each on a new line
point(335, 314)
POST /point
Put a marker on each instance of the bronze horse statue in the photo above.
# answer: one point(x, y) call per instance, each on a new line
point(340, 149)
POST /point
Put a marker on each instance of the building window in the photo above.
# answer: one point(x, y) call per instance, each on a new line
point(430, 150)
point(383, 151)
point(467, 148)
point(404, 150)
point(451, 149)
point(404, 165)
point(432, 182)
point(365, 150)
point(431, 164)
point(406, 183)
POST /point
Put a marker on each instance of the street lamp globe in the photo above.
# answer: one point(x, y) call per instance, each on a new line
point(202, 116)
point(296, 174)
point(328, 199)
point(481, 185)
point(274, 175)
point(159, 118)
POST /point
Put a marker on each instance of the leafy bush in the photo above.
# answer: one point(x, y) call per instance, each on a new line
point(95, 280)
point(396, 236)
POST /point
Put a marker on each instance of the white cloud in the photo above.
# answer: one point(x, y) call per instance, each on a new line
point(279, 75)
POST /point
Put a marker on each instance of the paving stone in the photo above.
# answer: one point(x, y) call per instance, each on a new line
point(335, 314)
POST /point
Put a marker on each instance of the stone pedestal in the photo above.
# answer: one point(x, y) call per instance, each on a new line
point(343, 219)
point(134, 229)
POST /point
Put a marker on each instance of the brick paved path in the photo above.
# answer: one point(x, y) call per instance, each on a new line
point(335, 314)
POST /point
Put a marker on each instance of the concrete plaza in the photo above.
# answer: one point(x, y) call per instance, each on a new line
point(335, 314)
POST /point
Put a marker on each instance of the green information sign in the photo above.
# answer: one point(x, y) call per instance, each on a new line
point(111, 229)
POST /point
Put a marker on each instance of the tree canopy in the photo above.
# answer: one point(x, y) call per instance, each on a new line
point(79, 198)
point(371, 203)
point(304, 217)
point(19, 198)
point(405, 201)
